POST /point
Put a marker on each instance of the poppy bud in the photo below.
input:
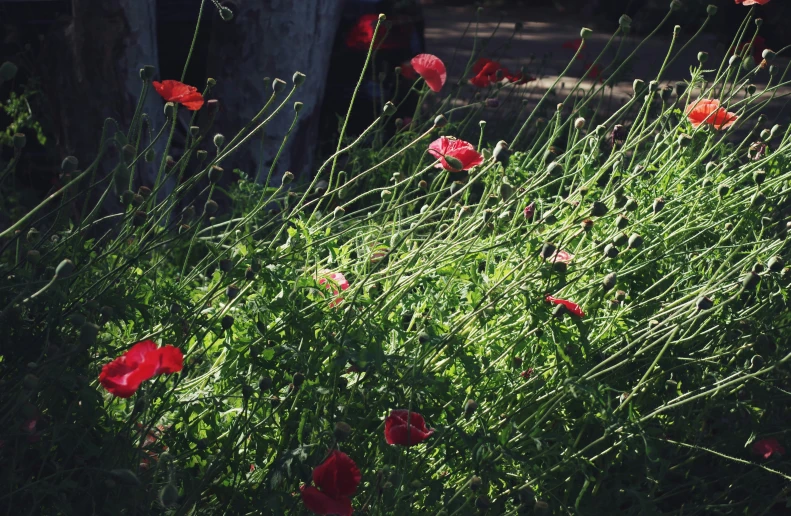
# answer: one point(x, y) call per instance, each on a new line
point(88, 334)
point(547, 250)
point(501, 154)
point(775, 264)
point(758, 199)
point(170, 162)
point(139, 218)
point(232, 291)
point(620, 296)
point(265, 383)
point(609, 281)
point(226, 322)
point(598, 209)
point(169, 110)
point(225, 13)
point(7, 71)
point(675, 5)
point(765, 135)
point(168, 495)
point(19, 141)
point(635, 241)
point(733, 60)
point(278, 85)
point(183, 229)
point(610, 251)
point(579, 123)
point(621, 221)
point(470, 407)
point(33, 256)
point(226, 265)
point(625, 22)
point(288, 177)
point(64, 269)
point(219, 140)
point(704, 303)
point(389, 108)
point(298, 78)
point(125, 477)
point(386, 194)
point(144, 191)
point(342, 431)
point(659, 203)
point(298, 379)
point(684, 140)
point(215, 173)
point(210, 207)
point(750, 280)
point(703, 57)
point(585, 33)
point(620, 239)
point(440, 121)
point(768, 55)
point(711, 10)
point(69, 164)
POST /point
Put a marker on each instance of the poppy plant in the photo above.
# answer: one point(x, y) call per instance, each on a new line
point(708, 111)
point(336, 479)
point(767, 447)
point(179, 93)
point(145, 360)
point(406, 428)
point(432, 69)
point(573, 308)
point(330, 280)
point(454, 155)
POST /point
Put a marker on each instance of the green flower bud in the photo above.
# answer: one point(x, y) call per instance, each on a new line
point(585, 33)
point(389, 109)
point(775, 263)
point(226, 322)
point(470, 407)
point(288, 177)
point(19, 141)
point(169, 110)
point(454, 163)
point(225, 13)
point(69, 164)
point(547, 250)
point(215, 174)
point(342, 431)
point(635, 241)
point(750, 280)
point(210, 207)
point(278, 85)
point(599, 209)
point(7, 71)
point(625, 22)
point(703, 57)
point(64, 269)
point(659, 203)
point(675, 5)
point(610, 251)
point(219, 140)
point(609, 281)
point(440, 121)
point(168, 495)
point(620, 239)
point(758, 199)
point(298, 107)
point(759, 176)
point(33, 256)
point(298, 78)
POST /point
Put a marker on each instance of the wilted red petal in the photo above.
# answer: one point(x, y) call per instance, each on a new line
point(338, 475)
point(573, 308)
point(432, 69)
point(320, 503)
point(406, 428)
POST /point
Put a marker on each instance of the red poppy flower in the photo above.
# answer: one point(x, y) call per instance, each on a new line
point(180, 93)
point(485, 71)
point(757, 45)
point(594, 72)
point(330, 279)
point(406, 428)
point(454, 155)
point(767, 447)
point(123, 376)
point(408, 71)
point(573, 308)
point(336, 479)
point(519, 78)
point(561, 256)
point(527, 374)
point(432, 69)
point(707, 111)
point(530, 210)
point(752, 2)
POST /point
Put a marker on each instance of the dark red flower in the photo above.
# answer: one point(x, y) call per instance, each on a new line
point(454, 155)
point(485, 74)
point(432, 69)
point(408, 71)
point(527, 373)
point(124, 375)
point(530, 210)
point(406, 428)
point(767, 447)
point(180, 93)
point(708, 111)
point(573, 308)
point(336, 480)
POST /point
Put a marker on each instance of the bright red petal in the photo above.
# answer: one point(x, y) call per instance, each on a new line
point(338, 475)
point(320, 503)
point(464, 152)
point(573, 308)
point(432, 69)
point(171, 360)
point(480, 81)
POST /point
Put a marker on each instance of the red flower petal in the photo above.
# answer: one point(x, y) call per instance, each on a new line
point(406, 428)
point(767, 447)
point(123, 376)
point(573, 308)
point(752, 2)
point(180, 93)
point(171, 360)
point(432, 69)
point(337, 476)
point(320, 503)
point(459, 149)
point(708, 111)
point(408, 72)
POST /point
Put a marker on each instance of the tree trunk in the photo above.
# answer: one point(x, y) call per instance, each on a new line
point(273, 38)
point(95, 63)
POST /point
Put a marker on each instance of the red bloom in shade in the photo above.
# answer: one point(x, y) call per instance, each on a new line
point(707, 111)
point(767, 447)
point(757, 44)
point(337, 479)
point(408, 71)
point(123, 376)
point(454, 155)
point(527, 373)
point(180, 93)
point(432, 69)
point(334, 278)
point(485, 74)
point(752, 2)
point(530, 210)
point(573, 308)
point(594, 72)
point(406, 428)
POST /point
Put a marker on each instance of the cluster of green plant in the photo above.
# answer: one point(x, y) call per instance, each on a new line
point(650, 403)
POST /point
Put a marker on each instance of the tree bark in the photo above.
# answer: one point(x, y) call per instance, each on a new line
point(95, 63)
point(273, 38)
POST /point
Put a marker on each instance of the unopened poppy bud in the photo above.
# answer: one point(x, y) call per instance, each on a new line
point(610, 251)
point(226, 265)
point(757, 199)
point(33, 235)
point(33, 256)
point(389, 108)
point(759, 22)
point(226, 14)
point(766, 134)
point(7, 71)
point(554, 169)
point(620, 296)
point(128, 153)
point(144, 191)
point(19, 141)
point(454, 163)
point(541, 508)
point(194, 131)
point(609, 281)
point(215, 173)
point(278, 85)
point(579, 123)
point(440, 121)
point(169, 110)
point(342, 431)
point(635, 241)
point(210, 207)
point(298, 107)
point(653, 86)
point(675, 5)
point(139, 218)
point(219, 140)
point(287, 178)
point(733, 60)
point(759, 176)
point(600, 130)
point(69, 164)
point(704, 303)
point(547, 250)
point(750, 280)
point(399, 123)
point(170, 162)
point(711, 10)
point(168, 495)
point(625, 22)
point(585, 33)
point(659, 203)
point(232, 291)
point(768, 55)
point(386, 194)
point(703, 57)
point(265, 383)
point(775, 264)
point(470, 407)
point(298, 78)
point(750, 89)
point(227, 322)
point(137, 200)
point(620, 239)
point(64, 268)
point(599, 209)
point(587, 224)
